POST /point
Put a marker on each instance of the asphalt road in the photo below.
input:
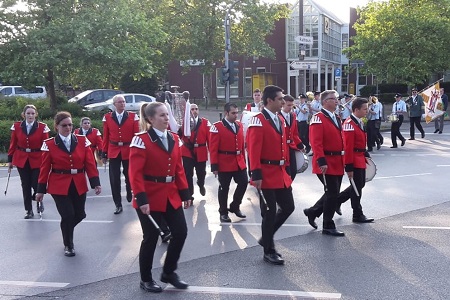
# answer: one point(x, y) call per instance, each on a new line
point(403, 255)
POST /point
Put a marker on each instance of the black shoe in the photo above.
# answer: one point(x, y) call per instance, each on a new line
point(202, 190)
point(238, 213)
point(150, 286)
point(378, 146)
point(273, 258)
point(118, 210)
point(394, 147)
point(436, 131)
point(275, 251)
point(381, 141)
point(339, 211)
point(403, 143)
point(411, 139)
point(362, 219)
point(440, 132)
point(166, 237)
point(69, 251)
point(311, 218)
point(225, 218)
point(29, 215)
point(332, 232)
point(370, 150)
point(129, 198)
point(423, 134)
point(174, 280)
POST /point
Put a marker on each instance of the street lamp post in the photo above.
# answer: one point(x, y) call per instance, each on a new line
point(226, 23)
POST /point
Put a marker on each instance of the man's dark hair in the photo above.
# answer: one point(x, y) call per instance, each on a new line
point(270, 91)
point(288, 98)
point(227, 107)
point(358, 103)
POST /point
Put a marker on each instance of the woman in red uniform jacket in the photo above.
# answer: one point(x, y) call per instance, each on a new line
point(93, 134)
point(159, 184)
point(25, 153)
point(66, 160)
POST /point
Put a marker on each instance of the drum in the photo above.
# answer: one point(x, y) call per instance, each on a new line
point(245, 118)
point(302, 161)
point(371, 169)
point(393, 118)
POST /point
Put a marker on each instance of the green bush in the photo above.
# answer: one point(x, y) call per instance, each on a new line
point(368, 90)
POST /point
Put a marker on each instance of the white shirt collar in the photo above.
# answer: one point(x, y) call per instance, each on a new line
point(161, 133)
point(121, 114)
point(231, 124)
point(359, 120)
point(29, 124)
point(271, 114)
point(64, 138)
point(329, 113)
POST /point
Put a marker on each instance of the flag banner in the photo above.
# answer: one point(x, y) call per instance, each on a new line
point(187, 119)
point(433, 103)
point(172, 122)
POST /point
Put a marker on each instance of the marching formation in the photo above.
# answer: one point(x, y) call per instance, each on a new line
point(159, 151)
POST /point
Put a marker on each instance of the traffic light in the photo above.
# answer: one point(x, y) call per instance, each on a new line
point(234, 71)
point(224, 75)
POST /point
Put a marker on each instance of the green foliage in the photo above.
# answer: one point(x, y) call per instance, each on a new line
point(144, 85)
point(368, 90)
point(392, 88)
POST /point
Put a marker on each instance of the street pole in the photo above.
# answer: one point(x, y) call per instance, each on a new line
point(226, 23)
point(301, 47)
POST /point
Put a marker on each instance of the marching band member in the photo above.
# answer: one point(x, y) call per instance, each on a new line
point(119, 128)
point(292, 138)
point(302, 112)
point(159, 186)
point(228, 160)
point(195, 150)
point(439, 121)
point(25, 153)
point(93, 135)
point(355, 140)
point(66, 160)
point(268, 153)
point(325, 132)
point(416, 109)
point(256, 105)
point(374, 114)
point(399, 108)
point(315, 105)
point(346, 103)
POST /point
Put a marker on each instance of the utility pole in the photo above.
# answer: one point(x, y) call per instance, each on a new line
point(226, 23)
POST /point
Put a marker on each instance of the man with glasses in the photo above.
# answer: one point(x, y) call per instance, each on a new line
point(195, 151)
point(325, 132)
point(119, 128)
point(416, 109)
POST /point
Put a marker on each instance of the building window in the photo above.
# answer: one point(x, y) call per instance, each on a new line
point(260, 69)
point(248, 93)
point(220, 88)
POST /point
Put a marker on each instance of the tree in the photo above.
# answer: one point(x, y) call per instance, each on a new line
point(92, 43)
point(403, 41)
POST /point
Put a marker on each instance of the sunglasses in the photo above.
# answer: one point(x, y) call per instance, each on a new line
point(66, 125)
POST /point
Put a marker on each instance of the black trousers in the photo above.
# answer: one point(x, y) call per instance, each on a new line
point(359, 176)
point(395, 131)
point(373, 134)
point(303, 132)
point(439, 123)
point(292, 168)
point(415, 121)
point(114, 179)
point(29, 179)
point(177, 224)
point(280, 204)
point(328, 203)
point(241, 179)
point(71, 209)
point(200, 169)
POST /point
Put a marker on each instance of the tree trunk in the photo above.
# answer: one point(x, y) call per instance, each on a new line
point(51, 89)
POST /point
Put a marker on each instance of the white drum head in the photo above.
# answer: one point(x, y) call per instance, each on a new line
point(245, 119)
point(302, 161)
point(371, 169)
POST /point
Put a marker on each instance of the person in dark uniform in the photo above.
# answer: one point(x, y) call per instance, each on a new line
point(302, 112)
point(269, 152)
point(159, 186)
point(228, 160)
point(25, 153)
point(398, 108)
point(325, 132)
point(195, 150)
point(119, 128)
point(66, 160)
point(355, 140)
point(439, 121)
point(93, 134)
point(416, 109)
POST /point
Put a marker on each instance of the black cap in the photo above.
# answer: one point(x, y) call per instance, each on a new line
point(413, 90)
point(316, 93)
point(348, 95)
point(398, 95)
point(302, 96)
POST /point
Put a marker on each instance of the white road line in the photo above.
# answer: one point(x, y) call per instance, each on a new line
point(35, 283)
point(242, 291)
point(442, 165)
point(53, 220)
point(243, 223)
point(426, 227)
point(401, 176)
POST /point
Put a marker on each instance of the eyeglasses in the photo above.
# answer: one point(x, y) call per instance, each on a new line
point(66, 125)
point(334, 98)
point(414, 92)
point(194, 108)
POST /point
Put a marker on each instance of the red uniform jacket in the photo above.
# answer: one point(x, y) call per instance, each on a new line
point(327, 144)
point(149, 160)
point(25, 146)
point(249, 106)
point(94, 136)
point(56, 159)
point(292, 137)
point(117, 138)
point(198, 141)
point(355, 141)
point(226, 148)
point(266, 144)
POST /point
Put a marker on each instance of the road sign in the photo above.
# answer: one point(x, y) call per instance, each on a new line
point(294, 73)
point(304, 39)
point(337, 73)
point(304, 65)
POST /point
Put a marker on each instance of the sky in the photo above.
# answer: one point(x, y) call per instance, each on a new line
point(341, 7)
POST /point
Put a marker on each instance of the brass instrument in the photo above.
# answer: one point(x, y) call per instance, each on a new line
point(342, 106)
point(177, 103)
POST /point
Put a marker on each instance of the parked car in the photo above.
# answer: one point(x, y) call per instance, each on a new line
point(133, 102)
point(94, 96)
point(16, 90)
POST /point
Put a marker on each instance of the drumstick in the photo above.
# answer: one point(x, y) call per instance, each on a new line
point(325, 182)
point(261, 196)
point(354, 186)
point(156, 225)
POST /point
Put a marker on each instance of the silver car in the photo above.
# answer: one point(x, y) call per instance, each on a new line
point(133, 102)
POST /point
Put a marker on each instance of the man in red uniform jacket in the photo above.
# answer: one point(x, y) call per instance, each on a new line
point(195, 151)
point(255, 106)
point(119, 128)
point(325, 132)
point(268, 153)
point(228, 160)
point(355, 141)
point(293, 139)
